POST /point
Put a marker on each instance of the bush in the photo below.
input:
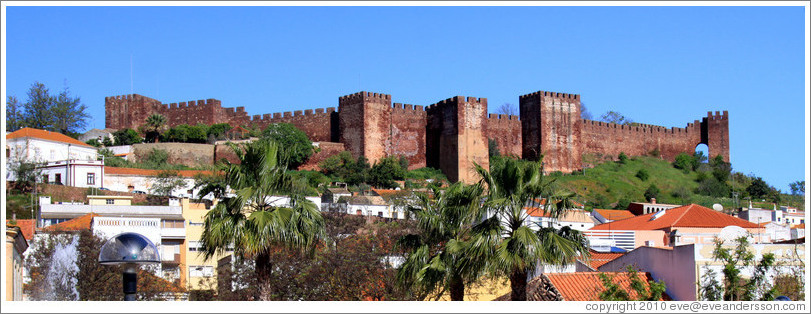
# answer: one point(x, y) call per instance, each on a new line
point(622, 158)
point(642, 174)
point(127, 137)
point(294, 141)
point(652, 192)
point(385, 171)
point(685, 162)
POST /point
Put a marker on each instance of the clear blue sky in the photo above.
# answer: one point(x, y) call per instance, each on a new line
point(658, 65)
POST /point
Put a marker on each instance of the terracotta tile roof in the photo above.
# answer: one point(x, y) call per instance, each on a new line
point(615, 214)
point(76, 224)
point(685, 216)
point(574, 215)
point(45, 135)
point(587, 286)
point(800, 226)
point(151, 172)
point(26, 225)
point(598, 259)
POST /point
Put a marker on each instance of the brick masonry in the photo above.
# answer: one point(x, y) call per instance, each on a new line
point(449, 135)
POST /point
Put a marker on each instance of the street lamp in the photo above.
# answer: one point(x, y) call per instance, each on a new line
point(130, 249)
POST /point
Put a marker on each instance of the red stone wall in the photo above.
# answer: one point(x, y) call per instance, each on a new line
point(717, 137)
point(611, 139)
point(554, 125)
point(315, 123)
point(408, 134)
point(506, 130)
point(326, 149)
point(365, 124)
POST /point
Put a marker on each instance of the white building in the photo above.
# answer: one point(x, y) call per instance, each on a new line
point(110, 215)
point(576, 219)
point(367, 205)
point(64, 160)
point(143, 180)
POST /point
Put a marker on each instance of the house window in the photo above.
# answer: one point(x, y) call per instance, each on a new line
point(45, 178)
point(379, 214)
point(172, 223)
point(194, 246)
point(58, 178)
point(394, 215)
point(201, 271)
point(91, 178)
point(110, 201)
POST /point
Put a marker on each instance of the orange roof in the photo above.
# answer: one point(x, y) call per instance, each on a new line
point(598, 259)
point(800, 226)
point(383, 192)
point(685, 216)
point(79, 223)
point(45, 135)
point(150, 172)
point(26, 226)
point(587, 286)
point(615, 214)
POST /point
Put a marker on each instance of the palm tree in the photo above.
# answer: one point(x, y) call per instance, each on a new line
point(515, 249)
point(154, 126)
point(439, 256)
point(251, 222)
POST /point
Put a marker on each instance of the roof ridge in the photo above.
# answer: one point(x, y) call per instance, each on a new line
point(675, 221)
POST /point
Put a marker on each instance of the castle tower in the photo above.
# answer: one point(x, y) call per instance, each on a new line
point(129, 111)
point(365, 124)
point(455, 137)
point(551, 126)
point(715, 133)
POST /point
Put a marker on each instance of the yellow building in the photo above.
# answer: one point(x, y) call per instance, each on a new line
point(109, 200)
point(201, 273)
point(486, 289)
point(15, 246)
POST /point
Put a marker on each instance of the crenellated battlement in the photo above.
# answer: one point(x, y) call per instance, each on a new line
point(455, 101)
point(638, 128)
point(211, 102)
point(718, 115)
point(365, 95)
point(539, 94)
point(493, 116)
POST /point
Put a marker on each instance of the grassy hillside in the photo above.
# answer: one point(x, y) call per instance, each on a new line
point(611, 182)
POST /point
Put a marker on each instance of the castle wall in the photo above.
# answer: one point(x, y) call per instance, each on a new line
point(506, 131)
point(325, 150)
point(408, 134)
point(315, 123)
point(611, 139)
point(717, 134)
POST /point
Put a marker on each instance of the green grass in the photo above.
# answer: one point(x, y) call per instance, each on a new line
point(614, 181)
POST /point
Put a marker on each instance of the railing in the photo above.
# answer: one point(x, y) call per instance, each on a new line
point(126, 222)
point(622, 239)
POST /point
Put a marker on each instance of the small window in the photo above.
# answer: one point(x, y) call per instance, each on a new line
point(110, 201)
point(194, 246)
point(45, 178)
point(58, 178)
point(91, 179)
point(379, 214)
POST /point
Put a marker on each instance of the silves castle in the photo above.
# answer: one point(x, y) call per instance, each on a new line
point(451, 134)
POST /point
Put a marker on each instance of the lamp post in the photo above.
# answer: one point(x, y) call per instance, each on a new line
point(129, 249)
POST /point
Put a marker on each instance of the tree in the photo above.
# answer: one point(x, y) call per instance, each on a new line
point(294, 141)
point(127, 137)
point(38, 108)
point(652, 192)
point(439, 256)
point(14, 114)
point(615, 117)
point(26, 172)
point(154, 126)
point(508, 109)
point(69, 114)
point(514, 247)
point(385, 171)
point(797, 187)
point(167, 181)
point(735, 287)
point(251, 223)
point(685, 162)
point(644, 291)
point(758, 188)
point(218, 130)
point(584, 112)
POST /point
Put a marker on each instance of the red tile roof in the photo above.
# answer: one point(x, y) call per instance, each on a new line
point(45, 135)
point(598, 259)
point(615, 214)
point(587, 286)
point(151, 172)
point(76, 224)
point(685, 216)
point(26, 225)
point(800, 226)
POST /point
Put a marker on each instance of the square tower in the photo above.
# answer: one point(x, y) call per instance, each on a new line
point(365, 124)
point(455, 137)
point(551, 127)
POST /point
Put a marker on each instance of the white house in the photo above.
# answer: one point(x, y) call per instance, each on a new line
point(143, 180)
point(64, 160)
point(576, 219)
point(367, 205)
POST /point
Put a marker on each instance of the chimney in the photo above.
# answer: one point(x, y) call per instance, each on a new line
point(653, 200)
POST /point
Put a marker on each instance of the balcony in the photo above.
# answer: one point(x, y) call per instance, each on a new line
point(171, 259)
point(173, 233)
